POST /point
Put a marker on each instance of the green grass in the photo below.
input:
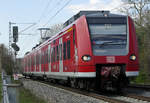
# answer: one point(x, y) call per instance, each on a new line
point(25, 96)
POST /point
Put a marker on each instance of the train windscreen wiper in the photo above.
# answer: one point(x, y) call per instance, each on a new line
point(102, 43)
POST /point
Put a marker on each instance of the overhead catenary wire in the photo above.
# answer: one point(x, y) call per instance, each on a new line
point(49, 12)
point(27, 28)
point(46, 7)
point(57, 13)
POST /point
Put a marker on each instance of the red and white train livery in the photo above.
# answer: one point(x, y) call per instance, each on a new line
point(95, 49)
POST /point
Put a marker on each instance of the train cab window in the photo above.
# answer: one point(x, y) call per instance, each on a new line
point(68, 49)
point(64, 51)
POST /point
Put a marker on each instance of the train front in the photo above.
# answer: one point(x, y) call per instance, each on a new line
point(114, 49)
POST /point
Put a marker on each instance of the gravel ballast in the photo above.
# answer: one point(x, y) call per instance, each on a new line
point(56, 95)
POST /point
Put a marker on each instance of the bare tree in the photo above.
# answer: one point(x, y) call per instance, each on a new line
point(53, 30)
point(7, 60)
point(139, 10)
point(136, 9)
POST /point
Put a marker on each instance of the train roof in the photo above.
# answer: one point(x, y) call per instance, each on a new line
point(88, 14)
point(91, 14)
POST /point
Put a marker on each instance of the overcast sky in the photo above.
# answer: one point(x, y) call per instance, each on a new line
point(42, 12)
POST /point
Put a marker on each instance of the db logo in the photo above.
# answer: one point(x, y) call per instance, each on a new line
point(110, 59)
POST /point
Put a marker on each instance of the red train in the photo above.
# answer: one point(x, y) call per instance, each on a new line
point(96, 49)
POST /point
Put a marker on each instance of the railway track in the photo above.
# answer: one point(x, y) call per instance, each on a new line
point(143, 98)
point(139, 86)
point(126, 98)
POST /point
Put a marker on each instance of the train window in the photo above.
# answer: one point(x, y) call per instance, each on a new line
point(54, 55)
point(60, 51)
point(40, 58)
point(73, 36)
point(38, 62)
point(57, 53)
point(47, 56)
point(29, 61)
point(44, 55)
point(43, 58)
point(54, 41)
point(35, 60)
point(68, 49)
point(51, 55)
point(32, 60)
point(64, 51)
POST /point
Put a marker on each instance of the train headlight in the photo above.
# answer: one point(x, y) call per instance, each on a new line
point(86, 58)
point(133, 57)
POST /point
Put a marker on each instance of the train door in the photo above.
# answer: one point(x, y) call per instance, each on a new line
point(73, 50)
point(67, 52)
point(40, 61)
point(53, 57)
point(34, 62)
point(30, 64)
point(57, 55)
point(60, 56)
point(49, 60)
point(65, 69)
point(46, 59)
point(37, 62)
point(74, 55)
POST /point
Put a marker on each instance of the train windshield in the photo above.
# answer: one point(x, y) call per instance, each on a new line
point(108, 39)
